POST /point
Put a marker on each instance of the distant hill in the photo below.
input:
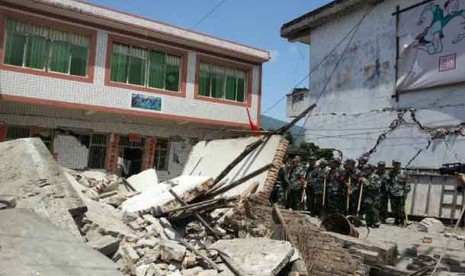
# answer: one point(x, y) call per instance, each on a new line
point(269, 123)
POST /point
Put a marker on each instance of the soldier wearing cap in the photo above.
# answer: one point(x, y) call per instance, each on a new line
point(308, 187)
point(362, 161)
point(352, 177)
point(316, 180)
point(384, 195)
point(370, 198)
point(335, 188)
point(398, 188)
point(281, 188)
point(297, 181)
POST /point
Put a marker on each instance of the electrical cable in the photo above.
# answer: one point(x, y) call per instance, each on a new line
point(210, 12)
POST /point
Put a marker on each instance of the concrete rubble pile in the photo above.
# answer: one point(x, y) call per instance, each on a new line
point(208, 221)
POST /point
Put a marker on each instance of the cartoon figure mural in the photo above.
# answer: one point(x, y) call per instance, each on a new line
point(436, 18)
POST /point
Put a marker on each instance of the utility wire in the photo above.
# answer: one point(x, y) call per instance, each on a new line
point(210, 12)
point(328, 80)
point(356, 26)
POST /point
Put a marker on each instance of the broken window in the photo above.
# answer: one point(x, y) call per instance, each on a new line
point(130, 153)
point(145, 67)
point(48, 49)
point(161, 158)
point(97, 151)
point(46, 135)
point(14, 132)
point(222, 82)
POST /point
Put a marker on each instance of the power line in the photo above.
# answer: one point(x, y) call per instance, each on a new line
point(315, 67)
point(328, 80)
point(210, 12)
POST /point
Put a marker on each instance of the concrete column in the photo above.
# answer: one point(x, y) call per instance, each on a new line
point(3, 130)
point(149, 152)
point(112, 153)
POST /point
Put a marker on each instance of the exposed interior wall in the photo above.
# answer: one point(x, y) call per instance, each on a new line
point(357, 105)
point(70, 152)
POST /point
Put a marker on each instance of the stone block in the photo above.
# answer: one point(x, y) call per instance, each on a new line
point(107, 245)
point(172, 251)
point(431, 226)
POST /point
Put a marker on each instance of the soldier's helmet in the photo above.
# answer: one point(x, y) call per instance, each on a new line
point(322, 162)
point(336, 159)
point(381, 164)
point(350, 161)
point(297, 158)
point(369, 167)
point(312, 158)
point(395, 161)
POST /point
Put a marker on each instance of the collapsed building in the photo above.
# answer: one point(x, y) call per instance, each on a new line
point(214, 219)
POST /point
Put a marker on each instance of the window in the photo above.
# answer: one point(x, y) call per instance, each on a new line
point(48, 49)
point(144, 67)
point(161, 158)
point(97, 151)
point(47, 137)
point(17, 133)
point(222, 82)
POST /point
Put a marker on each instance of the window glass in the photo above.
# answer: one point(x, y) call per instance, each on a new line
point(161, 158)
point(222, 82)
point(145, 67)
point(45, 48)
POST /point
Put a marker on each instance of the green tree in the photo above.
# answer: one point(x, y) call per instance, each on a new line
point(312, 149)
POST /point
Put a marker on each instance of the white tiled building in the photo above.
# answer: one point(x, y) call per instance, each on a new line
point(97, 84)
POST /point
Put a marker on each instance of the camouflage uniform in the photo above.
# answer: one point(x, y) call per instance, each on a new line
point(352, 177)
point(309, 189)
point(398, 189)
point(384, 195)
point(316, 181)
point(282, 185)
point(335, 187)
point(297, 180)
point(371, 196)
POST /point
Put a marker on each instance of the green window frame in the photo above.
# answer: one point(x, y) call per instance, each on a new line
point(44, 48)
point(223, 83)
point(145, 67)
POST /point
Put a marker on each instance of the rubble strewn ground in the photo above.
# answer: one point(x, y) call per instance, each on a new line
point(175, 228)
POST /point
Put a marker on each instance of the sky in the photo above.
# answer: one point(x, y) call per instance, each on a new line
point(256, 23)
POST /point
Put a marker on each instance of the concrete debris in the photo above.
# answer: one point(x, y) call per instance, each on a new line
point(159, 198)
point(144, 180)
point(172, 251)
point(31, 245)
point(431, 226)
point(24, 165)
point(257, 256)
point(107, 245)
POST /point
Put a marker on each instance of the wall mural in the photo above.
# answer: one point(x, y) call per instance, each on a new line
point(432, 45)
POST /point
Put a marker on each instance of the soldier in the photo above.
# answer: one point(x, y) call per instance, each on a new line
point(398, 190)
point(362, 161)
point(352, 177)
point(297, 181)
point(335, 187)
point(371, 185)
point(384, 195)
point(308, 187)
point(316, 179)
point(281, 187)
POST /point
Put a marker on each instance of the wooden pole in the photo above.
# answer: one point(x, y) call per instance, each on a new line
point(324, 192)
point(197, 216)
point(360, 198)
point(251, 147)
point(238, 182)
point(349, 184)
point(282, 221)
point(198, 253)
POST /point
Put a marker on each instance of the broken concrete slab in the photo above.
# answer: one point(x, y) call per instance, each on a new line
point(144, 180)
point(159, 198)
point(257, 256)
point(431, 226)
point(107, 245)
point(205, 160)
point(25, 165)
point(107, 218)
point(32, 245)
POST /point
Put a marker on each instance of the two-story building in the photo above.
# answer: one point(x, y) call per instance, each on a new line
point(100, 85)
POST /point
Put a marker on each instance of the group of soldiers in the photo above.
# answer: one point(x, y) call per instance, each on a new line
point(353, 188)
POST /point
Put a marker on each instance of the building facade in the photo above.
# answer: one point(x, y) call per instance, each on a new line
point(102, 87)
point(375, 93)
